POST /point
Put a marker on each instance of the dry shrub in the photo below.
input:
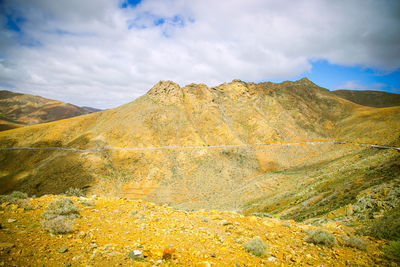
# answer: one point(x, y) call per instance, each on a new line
point(354, 242)
point(59, 216)
point(24, 203)
point(321, 237)
point(61, 207)
point(75, 192)
point(58, 225)
point(256, 247)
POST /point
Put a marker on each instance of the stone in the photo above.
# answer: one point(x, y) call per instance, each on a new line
point(11, 220)
point(63, 250)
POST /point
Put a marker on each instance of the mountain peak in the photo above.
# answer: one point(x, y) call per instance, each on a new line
point(164, 87)
point(305, 80)
point(165, 91)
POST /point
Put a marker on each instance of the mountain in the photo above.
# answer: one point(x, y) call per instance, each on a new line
point(175, 135)
point(371, 98)
point(92, 109)
point(18, 110)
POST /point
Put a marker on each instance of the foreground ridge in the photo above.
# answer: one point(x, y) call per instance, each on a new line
point(116, 231)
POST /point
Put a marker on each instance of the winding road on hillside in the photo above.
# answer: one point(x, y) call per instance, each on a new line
point(312, 142)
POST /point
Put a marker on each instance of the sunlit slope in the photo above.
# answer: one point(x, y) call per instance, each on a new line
point(195, 115)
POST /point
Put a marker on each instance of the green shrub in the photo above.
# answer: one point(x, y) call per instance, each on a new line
point(13, 197)
point(321, 237)
point(59, 216)
point(61, 207)
point(392, 251)
point(256, 247)
point(355, 242)
point(58, 225)
point(75, 192)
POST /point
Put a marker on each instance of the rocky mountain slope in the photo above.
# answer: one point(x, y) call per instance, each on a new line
point(275, 180)
point(377, 99)
point(114, 231)
point(18, 110)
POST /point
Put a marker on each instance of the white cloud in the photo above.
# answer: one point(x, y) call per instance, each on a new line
point(89, 56)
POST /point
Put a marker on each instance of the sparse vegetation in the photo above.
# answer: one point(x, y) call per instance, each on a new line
point(256, 247)
point(75, 192)
point(59, 216)
point(321, 237)
point(13, 197)
point(387, 227)
point(392, 251)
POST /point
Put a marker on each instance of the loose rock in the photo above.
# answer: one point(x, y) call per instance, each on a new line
point(63, 250)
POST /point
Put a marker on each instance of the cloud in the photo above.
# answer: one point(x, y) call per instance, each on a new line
point(105, 53)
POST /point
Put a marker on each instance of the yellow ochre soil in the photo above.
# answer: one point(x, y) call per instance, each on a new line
point(107, 231)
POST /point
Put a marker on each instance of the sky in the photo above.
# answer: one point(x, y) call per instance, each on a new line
point(105, 53)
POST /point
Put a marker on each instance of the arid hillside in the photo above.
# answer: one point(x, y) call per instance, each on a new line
point(17, 110)
point(169, 146)
point(377, 99)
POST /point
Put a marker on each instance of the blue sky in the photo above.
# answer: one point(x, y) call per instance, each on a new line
point(337, 77)
point(105, 53)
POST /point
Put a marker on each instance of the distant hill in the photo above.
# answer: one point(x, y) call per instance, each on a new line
point(17, 110)
point(92, 109)
point(377, 99)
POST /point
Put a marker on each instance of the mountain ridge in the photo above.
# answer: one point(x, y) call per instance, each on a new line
point(371, 98)
point(196, 115)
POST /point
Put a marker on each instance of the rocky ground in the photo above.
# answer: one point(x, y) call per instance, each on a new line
point(116, 231)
